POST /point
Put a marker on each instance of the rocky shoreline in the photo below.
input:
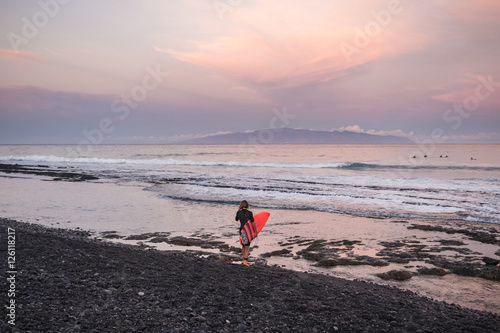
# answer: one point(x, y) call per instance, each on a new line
point(323, 253)
point(68, 282)
point(58, 174)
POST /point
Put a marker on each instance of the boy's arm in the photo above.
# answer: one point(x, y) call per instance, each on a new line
point(253, 223)
point(254, 227)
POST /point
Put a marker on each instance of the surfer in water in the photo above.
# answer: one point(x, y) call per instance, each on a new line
point(244, 215)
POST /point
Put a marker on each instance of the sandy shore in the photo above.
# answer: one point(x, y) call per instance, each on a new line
point(66, 282)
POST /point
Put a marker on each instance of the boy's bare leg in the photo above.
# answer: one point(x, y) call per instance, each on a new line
point(245, 250)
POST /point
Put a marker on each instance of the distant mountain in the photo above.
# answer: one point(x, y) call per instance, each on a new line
point(298, 136)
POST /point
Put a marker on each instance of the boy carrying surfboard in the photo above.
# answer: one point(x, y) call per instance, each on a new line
point(250, 226)
point(244, 215)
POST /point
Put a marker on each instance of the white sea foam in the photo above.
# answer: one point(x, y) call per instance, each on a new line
point(157, 161)
point(347, 200)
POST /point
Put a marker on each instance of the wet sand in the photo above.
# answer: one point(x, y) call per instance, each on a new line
point(68, 282)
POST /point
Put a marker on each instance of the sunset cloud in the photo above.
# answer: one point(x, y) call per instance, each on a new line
point(296, 45)
point(16, 56)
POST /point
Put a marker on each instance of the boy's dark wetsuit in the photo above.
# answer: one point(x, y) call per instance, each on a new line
point(243, 216)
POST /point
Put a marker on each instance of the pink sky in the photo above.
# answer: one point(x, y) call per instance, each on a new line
point(158, 70)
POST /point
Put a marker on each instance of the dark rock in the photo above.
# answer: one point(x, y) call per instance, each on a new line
point(490, 273)
point(432, 271)
point(313, 256)
point(451, 242)
point(392, 244)
point(112, 236)
point(490, 261)
point(139, 237)
point(327, 263)
point(316, 245)
point(398, 275)
point(362, 260)
point(477, 235)
point(46, 171)
point(349, 242)
point(276, 253)
point(465, 270)
point(398, 260)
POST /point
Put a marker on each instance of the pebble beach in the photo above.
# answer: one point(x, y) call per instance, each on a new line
point(67, 281)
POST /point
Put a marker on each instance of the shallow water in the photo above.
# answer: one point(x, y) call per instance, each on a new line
point(365, 180)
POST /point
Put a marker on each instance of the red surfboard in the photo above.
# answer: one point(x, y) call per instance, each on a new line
point(247, 233)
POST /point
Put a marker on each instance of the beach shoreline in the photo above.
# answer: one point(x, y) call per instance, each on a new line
point(67, 281)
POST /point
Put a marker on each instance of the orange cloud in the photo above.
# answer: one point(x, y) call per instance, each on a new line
point(277, 46)
point(251, 57)
point(11, 55)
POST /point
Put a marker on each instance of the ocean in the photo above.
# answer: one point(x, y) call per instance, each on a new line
point(459, 182)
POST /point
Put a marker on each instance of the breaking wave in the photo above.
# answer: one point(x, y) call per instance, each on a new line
point(179, 162)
